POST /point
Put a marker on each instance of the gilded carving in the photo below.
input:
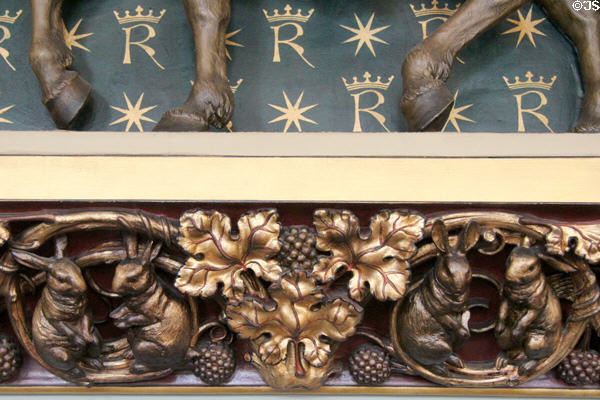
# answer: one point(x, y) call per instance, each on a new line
point(293, 296)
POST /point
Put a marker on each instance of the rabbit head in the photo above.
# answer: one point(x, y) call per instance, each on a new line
point(452, 268)
point(134, 275)
point(523, 265)
point(62, 274)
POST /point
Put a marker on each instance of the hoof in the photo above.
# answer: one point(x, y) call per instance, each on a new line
point(587, 128)
point(65, 107)
point(429, 109)
point(181, 121)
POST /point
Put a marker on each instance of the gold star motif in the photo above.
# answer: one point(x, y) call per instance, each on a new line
point(133, 115)
point(2, 111)
point(231, 42)
point(293, 113)
point(525, 26)
point(365, 34)
point(455, 115)
point(71, 37)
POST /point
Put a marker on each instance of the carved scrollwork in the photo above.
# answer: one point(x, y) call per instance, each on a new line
point(295, 294)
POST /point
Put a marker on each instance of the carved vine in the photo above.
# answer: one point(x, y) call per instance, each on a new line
point(295, 294)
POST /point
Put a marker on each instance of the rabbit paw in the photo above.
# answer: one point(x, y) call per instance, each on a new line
point(93, 363)
point(139, 369)
point(439, 369)
point(455, 361)
point(502, 361)
point(128, 355)
point(79, 341)
point(527, 367)
point(76, 372)
point(122, 323)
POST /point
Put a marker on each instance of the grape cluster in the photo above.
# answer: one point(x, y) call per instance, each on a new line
point(215, 363)
point(298, 247)
point(370, 365)
point(10, 358)
point(580, 368)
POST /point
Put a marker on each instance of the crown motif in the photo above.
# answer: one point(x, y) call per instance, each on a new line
point(139, 17)
point(6, 18)
point(367, 83)
point(288, 16)
point(435, 10)
point(529, 83)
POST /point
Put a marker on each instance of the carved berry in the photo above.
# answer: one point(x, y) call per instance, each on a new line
point(215, 363)
point(580, 368)
point(298, 247)
point(10, 358)
point(370, 365)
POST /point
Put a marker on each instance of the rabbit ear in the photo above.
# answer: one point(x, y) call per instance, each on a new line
point(469, 237)
point(151, 252)
point(439, 235)
point(60, 244)
point(32, 260)
point(130, 240)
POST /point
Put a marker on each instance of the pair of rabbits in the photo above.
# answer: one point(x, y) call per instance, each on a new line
point(158, 322)
point(433, 320)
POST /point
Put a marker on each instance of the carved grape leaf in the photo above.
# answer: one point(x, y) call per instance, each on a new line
point(377, 259)
point(304, 322)
point(587, 238)
point(219, 257)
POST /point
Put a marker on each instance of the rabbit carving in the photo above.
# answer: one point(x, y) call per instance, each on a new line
point(433, 319)
point(158, 321)
point(63, 330)
point(529, 320)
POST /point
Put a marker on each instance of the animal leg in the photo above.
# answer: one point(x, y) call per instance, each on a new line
point(149, 356)
point(426, 101)
point(61, 359)
point(583, 27)
point(64, 92)
point(211, 99)
point(504, 337)
point(538, 347)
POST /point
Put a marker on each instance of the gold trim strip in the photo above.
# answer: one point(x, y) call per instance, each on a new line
point(515, 180)
point(328, 390)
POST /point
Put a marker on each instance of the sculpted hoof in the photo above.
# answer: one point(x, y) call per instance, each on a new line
point(69, 101)
point(178, 120)
point(428, 109)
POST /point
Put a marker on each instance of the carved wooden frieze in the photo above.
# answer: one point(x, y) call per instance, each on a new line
point(116, 296)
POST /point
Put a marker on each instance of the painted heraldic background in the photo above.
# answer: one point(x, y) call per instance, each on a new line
point(295, 66)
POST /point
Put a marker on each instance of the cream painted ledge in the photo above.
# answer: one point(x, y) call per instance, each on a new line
point(310, 179)
point(300, 145)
